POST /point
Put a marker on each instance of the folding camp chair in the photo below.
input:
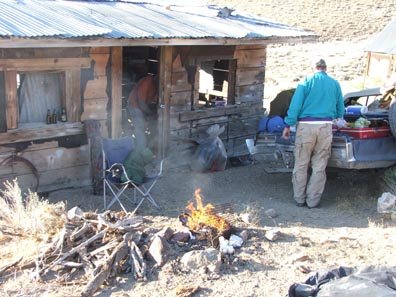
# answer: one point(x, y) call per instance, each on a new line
point(115, 152)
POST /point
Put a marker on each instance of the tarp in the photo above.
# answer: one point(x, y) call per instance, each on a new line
point(385, 41)
point(367, 281)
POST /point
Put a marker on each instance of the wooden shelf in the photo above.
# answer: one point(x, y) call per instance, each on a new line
point(32, 132)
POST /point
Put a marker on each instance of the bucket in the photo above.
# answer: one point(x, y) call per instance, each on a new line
point(356, 109)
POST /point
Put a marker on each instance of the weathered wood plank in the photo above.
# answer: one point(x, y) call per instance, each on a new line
point(249, 93)
point(251, 57)
point(100, 63)
point(67, 177)
point(3, 105)
point(180, 98)
point(166, 100)
point(27, 53)
point(250, 47)
point(44, 64)
point(249, 76)
point(177, 65)
point(180, 82)
point(58, 158)
point(96, 88)
point(73, 95)
point(99, 50)
point(12, 110)
point(95, 109)
point(41, 132)
point(116, 91)
point(211, 112)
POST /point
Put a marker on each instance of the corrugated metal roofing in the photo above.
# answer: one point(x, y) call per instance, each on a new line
point(385, 41)
point(119, 19)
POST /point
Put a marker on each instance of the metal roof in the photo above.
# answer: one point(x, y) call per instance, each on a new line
point(133, 20)
point(384, 42)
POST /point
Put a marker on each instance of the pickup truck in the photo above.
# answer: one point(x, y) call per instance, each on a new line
point(373, 146)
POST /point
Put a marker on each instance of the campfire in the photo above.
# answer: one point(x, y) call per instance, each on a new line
point(204, 222)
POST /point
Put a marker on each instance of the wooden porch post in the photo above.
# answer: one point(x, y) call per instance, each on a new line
point(164, 98)
point(116, 91)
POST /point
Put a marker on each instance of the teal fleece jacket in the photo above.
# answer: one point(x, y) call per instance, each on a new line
point(316, 97)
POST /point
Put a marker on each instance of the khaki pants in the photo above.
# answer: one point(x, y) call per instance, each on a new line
point(312, 148)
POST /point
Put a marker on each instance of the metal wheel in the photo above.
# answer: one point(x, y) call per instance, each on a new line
point(392, 117)
point(24, 170)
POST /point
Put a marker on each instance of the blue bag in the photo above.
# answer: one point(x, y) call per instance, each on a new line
point(273, 124)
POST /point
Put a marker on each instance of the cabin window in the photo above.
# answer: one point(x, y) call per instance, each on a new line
point(217, 82)
point(31, 87)
point(40, 93)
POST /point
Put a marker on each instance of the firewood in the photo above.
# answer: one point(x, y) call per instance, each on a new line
point(139, 267)
point(123, 225)
point(103, 248)
point(71, 264)
point(104, 272)
point(9, 265)
point(75, 249)
point(121, 256)
point(80, 232)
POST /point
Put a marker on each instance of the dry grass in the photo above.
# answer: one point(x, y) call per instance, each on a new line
point(28, 217)
point(27, 224)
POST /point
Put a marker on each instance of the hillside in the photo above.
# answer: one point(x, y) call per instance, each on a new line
point(344, 28)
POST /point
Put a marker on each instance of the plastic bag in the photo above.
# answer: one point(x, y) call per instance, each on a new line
point(211, 154)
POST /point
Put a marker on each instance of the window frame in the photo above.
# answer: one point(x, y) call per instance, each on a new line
point(232, 71)
point(71, 68)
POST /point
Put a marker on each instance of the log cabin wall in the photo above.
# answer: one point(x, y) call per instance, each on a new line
point(59, 152)
point(189, 118)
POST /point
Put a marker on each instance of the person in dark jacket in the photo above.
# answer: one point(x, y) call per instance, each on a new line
point(142, 102)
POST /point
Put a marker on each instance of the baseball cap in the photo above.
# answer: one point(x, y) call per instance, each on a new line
point(321, 63)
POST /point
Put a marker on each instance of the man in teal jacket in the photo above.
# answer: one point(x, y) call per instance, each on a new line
point(316, 102)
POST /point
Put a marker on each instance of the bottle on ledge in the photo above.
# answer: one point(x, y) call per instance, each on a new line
point(54, 117)
point(49, 117)
point(63, 117)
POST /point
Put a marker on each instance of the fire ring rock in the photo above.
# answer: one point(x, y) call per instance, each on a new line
point(209, 258)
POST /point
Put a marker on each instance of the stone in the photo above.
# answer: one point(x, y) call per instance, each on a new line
point(209, 258)
point(244, 235)
point(273, 234)
point(159, 250)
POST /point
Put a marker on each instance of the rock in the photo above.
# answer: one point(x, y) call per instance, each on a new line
point(209, 258)
point(159, 250)
point(166, 233)
point(180, 236)
point(271, 213)
point(299, 258)
point(244, 235)
point(75, 213)
point(235, 241)
point(273, 235)
point(247, 218)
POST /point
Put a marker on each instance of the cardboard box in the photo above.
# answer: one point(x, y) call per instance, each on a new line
point(363, 133)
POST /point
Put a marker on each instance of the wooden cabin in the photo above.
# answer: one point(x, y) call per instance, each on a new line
point(83, 58)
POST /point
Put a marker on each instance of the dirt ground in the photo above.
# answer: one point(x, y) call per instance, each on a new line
point(345, 230)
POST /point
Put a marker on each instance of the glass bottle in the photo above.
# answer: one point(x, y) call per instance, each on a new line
point(63, 117)
point(54, 117)
point(49, 117)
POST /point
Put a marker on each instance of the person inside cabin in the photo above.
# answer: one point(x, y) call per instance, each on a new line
point(142, 106)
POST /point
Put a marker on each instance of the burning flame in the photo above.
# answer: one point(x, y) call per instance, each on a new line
point(202, 216)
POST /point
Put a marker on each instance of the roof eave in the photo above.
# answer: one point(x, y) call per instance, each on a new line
point(14, 42)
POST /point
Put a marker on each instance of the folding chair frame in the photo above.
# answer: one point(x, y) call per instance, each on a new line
point(118, 189)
